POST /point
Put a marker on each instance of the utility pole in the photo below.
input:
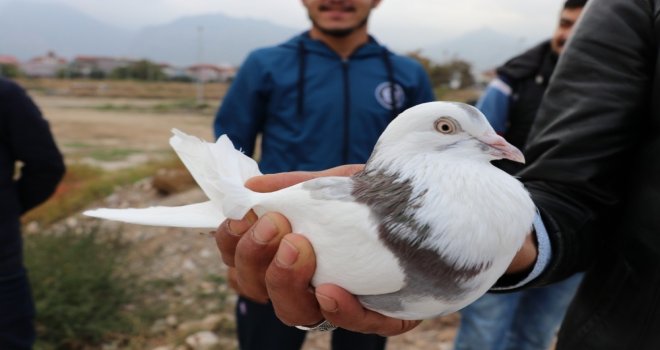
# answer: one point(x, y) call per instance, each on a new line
point(200, 56)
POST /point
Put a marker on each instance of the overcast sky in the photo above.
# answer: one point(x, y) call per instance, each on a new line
point(415, 21)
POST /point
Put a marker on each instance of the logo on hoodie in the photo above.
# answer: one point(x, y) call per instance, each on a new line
point(384, 95)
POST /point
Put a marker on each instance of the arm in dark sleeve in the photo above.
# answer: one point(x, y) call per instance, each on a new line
point(242, 111)
point(594, 112)
point(32, 143)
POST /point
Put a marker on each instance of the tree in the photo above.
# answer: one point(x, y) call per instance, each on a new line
point(455, 74)
point(9, 70)
point(140, 70)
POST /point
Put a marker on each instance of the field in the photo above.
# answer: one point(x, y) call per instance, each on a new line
point(118, 126)
point(115, 139)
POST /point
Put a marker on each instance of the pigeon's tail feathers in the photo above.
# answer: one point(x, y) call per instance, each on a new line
point(220, 170)
point(199, 215)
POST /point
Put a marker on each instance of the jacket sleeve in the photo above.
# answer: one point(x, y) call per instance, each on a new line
point(494, 104)
point(581, 148)
point(32, 144)
point(243, 109)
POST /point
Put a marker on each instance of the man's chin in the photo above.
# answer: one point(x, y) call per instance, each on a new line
point(337, 32)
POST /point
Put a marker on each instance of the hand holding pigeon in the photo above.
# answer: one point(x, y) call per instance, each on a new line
point(426, 228)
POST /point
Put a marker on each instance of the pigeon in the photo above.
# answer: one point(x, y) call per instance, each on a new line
point(426, 228)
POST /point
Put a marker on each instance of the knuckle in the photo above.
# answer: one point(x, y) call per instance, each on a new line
point(277, 278)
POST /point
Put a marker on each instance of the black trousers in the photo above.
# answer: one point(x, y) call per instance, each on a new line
point(260, 329)
point(17, 330)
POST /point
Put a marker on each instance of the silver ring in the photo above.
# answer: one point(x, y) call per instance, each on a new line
point(323, 326)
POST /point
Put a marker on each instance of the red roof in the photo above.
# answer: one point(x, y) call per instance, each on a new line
point(6, 59)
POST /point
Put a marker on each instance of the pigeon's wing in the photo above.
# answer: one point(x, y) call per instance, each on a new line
point(344, 235)
point(199, 215)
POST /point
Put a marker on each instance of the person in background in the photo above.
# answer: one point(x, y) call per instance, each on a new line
point(319, 100)
point(593, 172)
point(529, 319)
point(25, 137)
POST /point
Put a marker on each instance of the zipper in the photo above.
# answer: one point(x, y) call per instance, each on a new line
point(347, 117)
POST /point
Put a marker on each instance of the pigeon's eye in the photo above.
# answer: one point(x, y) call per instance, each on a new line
point(445, 125)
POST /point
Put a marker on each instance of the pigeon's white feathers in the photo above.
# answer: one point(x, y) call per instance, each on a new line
point(198, 215)
point(219, 170)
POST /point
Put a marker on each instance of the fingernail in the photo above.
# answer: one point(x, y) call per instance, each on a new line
point(326, 303)
point(264, 231)
point(236, 227)
point(287, 254)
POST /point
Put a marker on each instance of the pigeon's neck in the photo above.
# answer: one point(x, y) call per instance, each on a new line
point(428, 163)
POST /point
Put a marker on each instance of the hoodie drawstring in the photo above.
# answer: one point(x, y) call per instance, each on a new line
point(302, 66)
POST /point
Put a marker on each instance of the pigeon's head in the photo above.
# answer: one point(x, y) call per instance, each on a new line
point(454, 128)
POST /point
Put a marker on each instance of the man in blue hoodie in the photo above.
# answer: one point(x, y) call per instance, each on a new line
point(319, 100)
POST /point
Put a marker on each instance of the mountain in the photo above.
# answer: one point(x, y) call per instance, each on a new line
point(30, 29)
point(485, 48)
point(223, 39)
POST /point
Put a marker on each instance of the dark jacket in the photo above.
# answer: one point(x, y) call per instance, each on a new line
point(528, 75)
point(594, 173)
point(25, 137)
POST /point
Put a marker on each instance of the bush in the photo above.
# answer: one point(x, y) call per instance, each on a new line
point(79, 290)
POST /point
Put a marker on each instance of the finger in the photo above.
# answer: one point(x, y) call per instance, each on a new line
point(274, 182)
point(344, 310)
point(229, 233)
point(288, 281)
point(231, 280)
point(255, 251)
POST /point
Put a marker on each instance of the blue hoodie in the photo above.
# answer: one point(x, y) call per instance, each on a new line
point(333, 116)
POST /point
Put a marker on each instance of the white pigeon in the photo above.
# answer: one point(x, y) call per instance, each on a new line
point(426, 228)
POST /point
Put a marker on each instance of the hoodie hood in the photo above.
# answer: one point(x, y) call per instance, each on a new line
point(369, 49)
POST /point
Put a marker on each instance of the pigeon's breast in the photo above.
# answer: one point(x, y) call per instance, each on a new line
point(434, 283)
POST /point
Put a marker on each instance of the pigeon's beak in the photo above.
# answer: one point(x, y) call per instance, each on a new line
point(499, 148)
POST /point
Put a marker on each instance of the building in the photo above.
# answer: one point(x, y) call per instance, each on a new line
point(97, 66)
point(46, 66)
point(211, 73)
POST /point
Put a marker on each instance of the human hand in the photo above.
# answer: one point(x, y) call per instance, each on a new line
point(271, 263)
point(229, 236)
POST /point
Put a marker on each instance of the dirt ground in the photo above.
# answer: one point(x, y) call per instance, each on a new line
point(83, 126)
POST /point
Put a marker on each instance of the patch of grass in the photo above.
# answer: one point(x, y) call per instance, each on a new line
point(182, 105)
point(111, 107)
point(112, 155)
point(82, 294)
point(464, 95)
point(84, 184)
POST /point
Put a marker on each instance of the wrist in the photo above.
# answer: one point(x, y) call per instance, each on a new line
point(523, 261)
